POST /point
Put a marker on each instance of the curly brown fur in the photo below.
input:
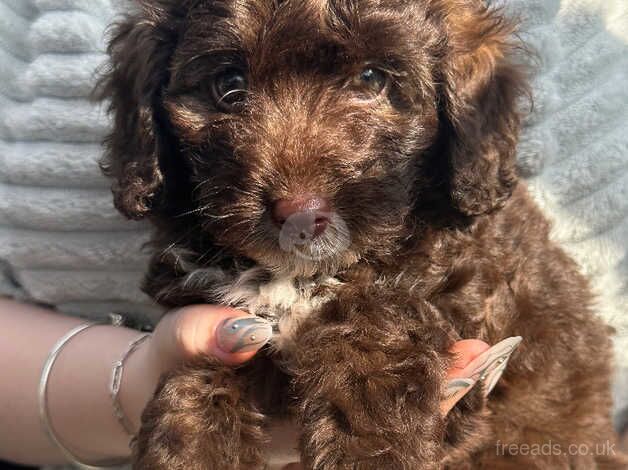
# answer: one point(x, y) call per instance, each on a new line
point(208, 397)
point(443, 243)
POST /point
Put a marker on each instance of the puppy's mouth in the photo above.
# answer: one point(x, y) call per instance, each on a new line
point(314, 235)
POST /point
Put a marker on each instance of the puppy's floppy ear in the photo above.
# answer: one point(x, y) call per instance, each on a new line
point(481, 87)
point(139, 50)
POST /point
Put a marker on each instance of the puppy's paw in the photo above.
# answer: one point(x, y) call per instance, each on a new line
point(352, 452)
point(468, 427)
point(200, 419)
point(365, 410)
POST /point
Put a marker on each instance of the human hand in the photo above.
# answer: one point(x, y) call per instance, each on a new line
point(476, 361)
point(465, 352)
point(229, 335)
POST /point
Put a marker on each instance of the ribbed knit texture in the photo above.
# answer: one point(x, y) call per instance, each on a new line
point(62, 243)
point(61, 240)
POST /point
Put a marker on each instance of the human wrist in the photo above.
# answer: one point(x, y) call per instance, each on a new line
point(142, 371)
point(80, 406)
point(156, 356)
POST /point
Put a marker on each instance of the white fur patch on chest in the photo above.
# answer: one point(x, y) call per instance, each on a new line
point(284, 301)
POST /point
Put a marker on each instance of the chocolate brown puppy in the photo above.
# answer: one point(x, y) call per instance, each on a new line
point(346, 169)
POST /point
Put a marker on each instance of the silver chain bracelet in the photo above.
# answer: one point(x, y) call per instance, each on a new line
point(116, 382)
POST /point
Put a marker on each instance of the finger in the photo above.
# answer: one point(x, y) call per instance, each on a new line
point(489, 366)
point(455, 390)
point(230, 335)
point(459, 379)
point(471, 367)
point(465, 351)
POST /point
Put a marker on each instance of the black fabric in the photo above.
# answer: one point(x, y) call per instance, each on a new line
point(10, 466)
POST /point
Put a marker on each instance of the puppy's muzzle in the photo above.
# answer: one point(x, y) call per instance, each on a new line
point(315, 210)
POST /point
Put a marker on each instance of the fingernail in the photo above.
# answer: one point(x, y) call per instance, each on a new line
point(493, 377)
point(455, 386)
point(243, 334)
point(489, 366)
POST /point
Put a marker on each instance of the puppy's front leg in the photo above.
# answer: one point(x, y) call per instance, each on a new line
point(200, 419)
point(370, 388)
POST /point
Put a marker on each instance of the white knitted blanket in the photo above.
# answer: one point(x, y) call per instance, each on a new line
point(62, 243)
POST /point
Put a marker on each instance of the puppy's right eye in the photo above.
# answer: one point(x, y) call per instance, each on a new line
point(229, 89)
point(370, 82)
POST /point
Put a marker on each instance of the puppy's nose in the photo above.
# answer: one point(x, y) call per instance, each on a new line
point(315, 208)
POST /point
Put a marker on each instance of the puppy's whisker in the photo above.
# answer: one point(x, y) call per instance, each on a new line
point(183, 214)
point(232, 92)
point(221, 251)
point(212, 260)
point(242, 192)
point(208, 53)
point(203, 183)
point(206, 214)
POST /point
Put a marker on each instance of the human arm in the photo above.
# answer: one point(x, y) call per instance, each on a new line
point(79, 404)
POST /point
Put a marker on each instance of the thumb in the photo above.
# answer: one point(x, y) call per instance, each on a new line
point(227, 334)
point(458, 384)
point(464, 352)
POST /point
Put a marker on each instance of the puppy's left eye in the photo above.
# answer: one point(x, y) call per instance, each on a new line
point(371, 80)
point(229, 89)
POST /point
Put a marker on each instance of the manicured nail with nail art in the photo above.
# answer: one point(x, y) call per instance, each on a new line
point(489, 366)
point(456, 386)
point(243, 334)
